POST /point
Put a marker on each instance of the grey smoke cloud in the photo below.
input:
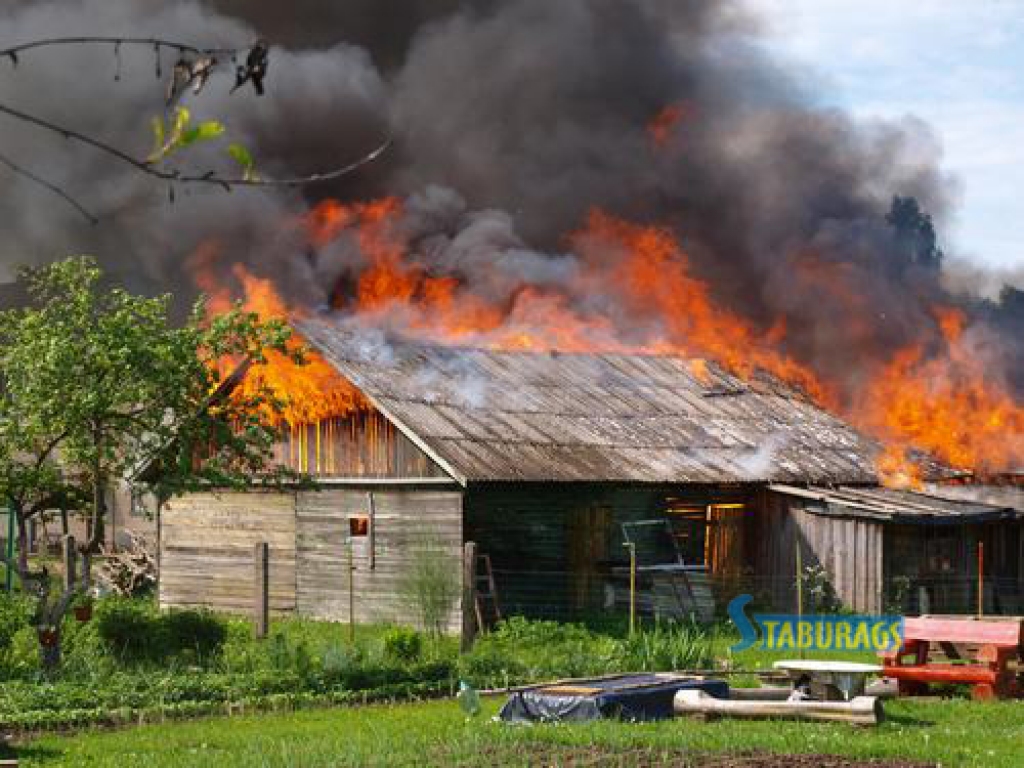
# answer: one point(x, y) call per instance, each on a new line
point(511, 121)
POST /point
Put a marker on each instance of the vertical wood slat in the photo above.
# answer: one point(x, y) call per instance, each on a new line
point(261, 588)
point(371, 509)
point(850, 550)
point(469, 621)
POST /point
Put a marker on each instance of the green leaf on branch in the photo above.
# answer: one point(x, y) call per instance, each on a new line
point(244, 158)
point(211, 129)
point(181, 134)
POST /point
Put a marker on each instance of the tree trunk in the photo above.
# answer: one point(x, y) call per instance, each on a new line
point(97, 516)
point(22, 541)
point(49, 648)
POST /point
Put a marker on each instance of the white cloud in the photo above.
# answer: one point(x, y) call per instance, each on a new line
point(955, 64)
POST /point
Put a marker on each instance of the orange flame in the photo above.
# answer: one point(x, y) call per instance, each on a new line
point(310, 393)
point(648, 301)
point(641, 267)
point(665, 123)
point(945, 404)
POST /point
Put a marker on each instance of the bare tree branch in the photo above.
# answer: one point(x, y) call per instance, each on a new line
point(178, 176)
point(4, 160)
point(252, 71)
point(155, 42)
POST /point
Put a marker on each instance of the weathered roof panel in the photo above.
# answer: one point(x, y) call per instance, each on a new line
point(501, 415)
point(906, 507)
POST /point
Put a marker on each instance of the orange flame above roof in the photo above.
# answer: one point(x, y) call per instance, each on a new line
point(311, 392)
point(634, 292)
point(945, 404)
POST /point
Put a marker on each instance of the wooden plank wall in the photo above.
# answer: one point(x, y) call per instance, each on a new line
point(850, 550)
point(206, 549)
point(360, 444)
point(403, 520)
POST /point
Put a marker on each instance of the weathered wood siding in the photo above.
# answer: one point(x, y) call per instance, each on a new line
point(361, 444)
point(206, 549)
point(403, 521)
point(850, 550)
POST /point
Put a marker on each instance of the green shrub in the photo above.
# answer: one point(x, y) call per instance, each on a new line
point(130, 629)
point(15, 613)
point(429, 586)
point(22, 656)
point(403, 644)
point(668, 646)
point(198, 631)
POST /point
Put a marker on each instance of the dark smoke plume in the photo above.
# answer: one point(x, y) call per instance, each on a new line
point(511, 121)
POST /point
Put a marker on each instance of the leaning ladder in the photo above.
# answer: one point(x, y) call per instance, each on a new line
point(488, 612)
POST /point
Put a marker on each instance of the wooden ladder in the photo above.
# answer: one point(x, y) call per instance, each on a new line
point(486, 593)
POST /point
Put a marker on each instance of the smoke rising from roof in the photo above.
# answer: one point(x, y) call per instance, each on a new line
point(511, 121)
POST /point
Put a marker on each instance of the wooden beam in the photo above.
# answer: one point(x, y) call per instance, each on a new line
point(382, 481)
point(862, 710)
point(371, 534)
point(469, 621)
point(261, 588)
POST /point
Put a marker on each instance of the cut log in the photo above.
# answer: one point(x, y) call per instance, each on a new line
point(764, 693)
point(862, 710)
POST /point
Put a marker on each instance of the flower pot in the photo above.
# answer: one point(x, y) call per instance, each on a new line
point(48, 637)
point(83, 613)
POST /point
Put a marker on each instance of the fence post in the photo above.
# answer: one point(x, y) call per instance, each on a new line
point(11, 537)
point(981, 579)
point(261, 589)
point(468, 595)
point(69, 563)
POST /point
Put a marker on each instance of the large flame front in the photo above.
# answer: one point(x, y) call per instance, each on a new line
point(310, 392)
point(947, 404)
point(631, 290)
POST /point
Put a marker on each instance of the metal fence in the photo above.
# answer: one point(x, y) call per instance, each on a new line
point(692, 592)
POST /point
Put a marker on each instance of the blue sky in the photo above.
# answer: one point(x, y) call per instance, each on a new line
point(956, 64)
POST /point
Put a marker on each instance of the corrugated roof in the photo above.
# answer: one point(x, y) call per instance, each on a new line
point(898, 506)
point(505, 415)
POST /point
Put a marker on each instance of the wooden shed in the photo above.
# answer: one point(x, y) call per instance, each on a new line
point(550, 463)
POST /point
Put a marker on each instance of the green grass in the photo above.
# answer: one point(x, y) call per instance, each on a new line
point(954, 733)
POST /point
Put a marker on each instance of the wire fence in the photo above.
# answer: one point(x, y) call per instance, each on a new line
point(675, 592)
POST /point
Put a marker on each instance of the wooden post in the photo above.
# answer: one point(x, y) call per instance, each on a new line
point(261, 589)
point(69, 563)
point(799, 587)
point(86, 571)
point(632, 587)
point(371, 534)
point(351, 595)
point(468, 595)
point(981, 579)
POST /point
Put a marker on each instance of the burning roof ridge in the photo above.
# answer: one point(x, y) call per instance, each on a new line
point(720, 380)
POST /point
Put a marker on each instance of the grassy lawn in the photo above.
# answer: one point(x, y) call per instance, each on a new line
point(954, 733)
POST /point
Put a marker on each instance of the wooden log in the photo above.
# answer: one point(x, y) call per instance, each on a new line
point(765, 693)
point(261, 588)
point(862, 710)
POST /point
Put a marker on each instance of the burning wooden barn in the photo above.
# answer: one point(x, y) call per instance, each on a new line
point(560, 467)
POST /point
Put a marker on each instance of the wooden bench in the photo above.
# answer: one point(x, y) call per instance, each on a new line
point(977, 652)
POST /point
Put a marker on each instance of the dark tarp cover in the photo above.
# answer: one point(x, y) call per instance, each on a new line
point(628, 697)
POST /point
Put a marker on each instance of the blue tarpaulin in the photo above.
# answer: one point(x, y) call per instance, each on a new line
point(625, 697)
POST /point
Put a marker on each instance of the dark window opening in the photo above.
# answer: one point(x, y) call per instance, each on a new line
point(359, 526)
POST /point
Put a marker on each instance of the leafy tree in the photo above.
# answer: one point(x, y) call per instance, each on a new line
point(99, 385)
point(915, 234)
